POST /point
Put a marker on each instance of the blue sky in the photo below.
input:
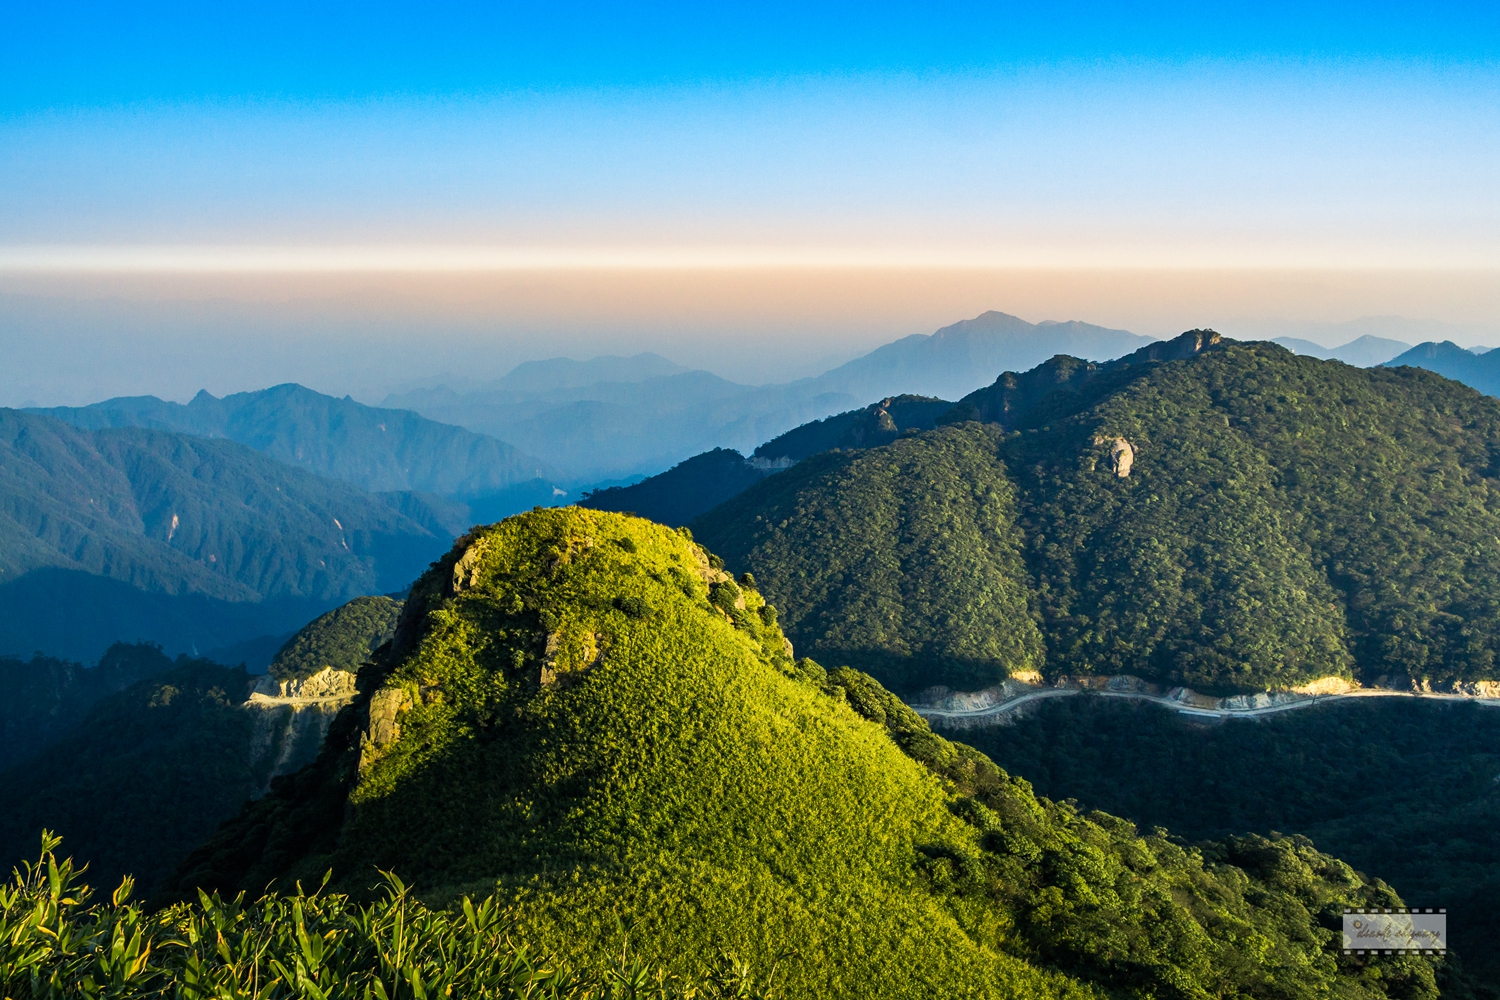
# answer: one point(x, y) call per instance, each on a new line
point(658, 135)
point(102, 55)
point(204, 165)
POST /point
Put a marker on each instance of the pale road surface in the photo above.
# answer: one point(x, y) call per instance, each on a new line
point(1011, 704)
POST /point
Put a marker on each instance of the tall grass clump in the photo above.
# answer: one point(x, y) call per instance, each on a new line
point(56, 942)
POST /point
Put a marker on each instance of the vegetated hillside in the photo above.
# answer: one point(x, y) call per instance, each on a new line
point(143, 778)
point(44, 698)
point(876, 424)
point(904, 560)
point(376, 449)
point(137, 760)
point(963, 357)
point(704, 481)
point(179, 539)
point(1405, 788)
point(580, 710)
point(343, 639)
point(684, 491)
point(1227, 516)
point(1482, 371)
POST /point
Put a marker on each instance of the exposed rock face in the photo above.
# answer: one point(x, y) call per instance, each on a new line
point(466, 570)
point(570, 655)
point(1121, 455)
point(292, 718)
point(289, 734)
point(1325, 685)
point(385, 705)
point(326, 683)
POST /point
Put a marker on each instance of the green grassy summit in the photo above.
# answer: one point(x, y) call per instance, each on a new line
point(582, 711)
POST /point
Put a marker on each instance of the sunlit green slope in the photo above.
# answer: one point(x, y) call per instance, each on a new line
point(579, 707)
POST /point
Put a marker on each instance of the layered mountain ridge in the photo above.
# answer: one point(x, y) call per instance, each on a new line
point(180, 539)
point(1221, 515)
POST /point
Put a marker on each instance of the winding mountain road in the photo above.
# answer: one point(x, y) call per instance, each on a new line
point(1009, 705)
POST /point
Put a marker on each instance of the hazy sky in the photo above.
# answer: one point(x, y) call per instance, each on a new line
point(352, 196)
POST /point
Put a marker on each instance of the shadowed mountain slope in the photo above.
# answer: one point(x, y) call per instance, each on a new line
point(46, 697)
point(684, 491)
point(145, 776)
point(130, 516)
point(376, 449)
point(1228, 516)
point(580, 710)
point(704, 481)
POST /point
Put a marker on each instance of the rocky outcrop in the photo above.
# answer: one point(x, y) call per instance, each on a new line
point(570, 655)
point(466, 569)
point(1121, 455)
point(385, 706)
point(324, 685)
point(384, 728)
point(292, 719)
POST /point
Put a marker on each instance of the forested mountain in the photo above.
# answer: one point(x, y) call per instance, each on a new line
point(343, 639)
point(1340, 774)
point(143, 778)
point(181, 539)
point(876, 424)
point(683, 491)
point(137, 760)
point(704, 481)
point(1482, 371)
point(1227, 516)
point(635, 418)
point(376, 449)
point(580, 710)
point(44, 698)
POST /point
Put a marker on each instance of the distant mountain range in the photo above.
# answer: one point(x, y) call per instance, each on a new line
point(1479, 370)
point(1364, 352)
point(227, 523)
point(643, 414)
point(375, 449)
point(128, 533)
point(960, 358)
point(1401, 329)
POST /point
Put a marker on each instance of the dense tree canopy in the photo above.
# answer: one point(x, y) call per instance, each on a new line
point(1228, 516)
